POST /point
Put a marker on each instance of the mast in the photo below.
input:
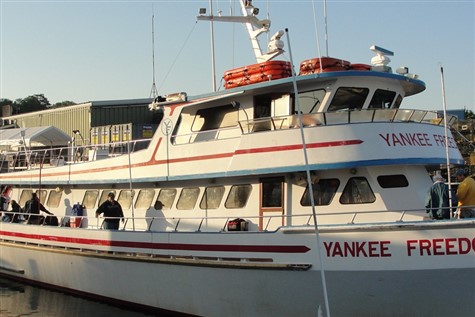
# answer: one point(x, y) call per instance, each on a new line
point(213, 60)
point(153, 91)
point(446, 140)
point(255, 27)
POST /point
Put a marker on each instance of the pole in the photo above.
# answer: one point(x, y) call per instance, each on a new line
point(446, 140)
point(309, 182)
point(213, 71)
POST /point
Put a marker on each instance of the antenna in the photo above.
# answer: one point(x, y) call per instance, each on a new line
point(153, 91)
point(326, 25)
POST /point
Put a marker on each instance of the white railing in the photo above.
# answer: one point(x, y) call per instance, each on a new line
point(220, 224)
point(52, 157)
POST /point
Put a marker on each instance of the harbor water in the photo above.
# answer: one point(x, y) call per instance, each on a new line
point(19, 299)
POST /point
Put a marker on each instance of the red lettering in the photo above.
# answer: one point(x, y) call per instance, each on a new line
point(467, 245)
point(360, 249)
point(373, 248)
point(414, 140)
point(441, 246)
point(424, 245)
point(426, 139)
point(396, 140)
point(385, 248)
point(411, 246)
point(449, 245)
point(349, 249)
point(437, 246)
point(337, 250)
point(327, 246)
point(385, 138)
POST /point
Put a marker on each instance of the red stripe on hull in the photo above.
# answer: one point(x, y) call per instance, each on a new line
point(164, 246)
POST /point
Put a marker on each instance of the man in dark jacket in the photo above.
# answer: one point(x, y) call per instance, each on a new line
point(112, 212)
point(437, 202)
point(33, 207)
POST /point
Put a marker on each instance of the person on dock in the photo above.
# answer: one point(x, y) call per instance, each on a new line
point(112, 211)
point(437, 202)
point(33, 208)
point(465, 195)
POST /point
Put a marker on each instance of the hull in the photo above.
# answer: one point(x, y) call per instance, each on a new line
point(396, 270)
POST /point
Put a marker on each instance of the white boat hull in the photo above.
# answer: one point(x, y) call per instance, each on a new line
point(385, 276)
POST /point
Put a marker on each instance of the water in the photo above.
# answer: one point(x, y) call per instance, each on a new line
point(19, 299)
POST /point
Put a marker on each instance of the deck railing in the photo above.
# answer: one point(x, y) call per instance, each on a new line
point(58, 156)
point(220, 224)
point(33, 159)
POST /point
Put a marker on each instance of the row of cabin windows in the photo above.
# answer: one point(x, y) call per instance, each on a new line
point(346, 98)
point(212, 197)
point(357, 190)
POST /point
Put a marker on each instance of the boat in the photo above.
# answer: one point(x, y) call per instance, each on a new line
point(295, 196)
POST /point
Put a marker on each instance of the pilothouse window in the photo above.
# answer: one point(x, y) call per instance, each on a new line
point(349, 98)
point(382, 99)
point(392, 181)
point(310, 101)
point(215, 118)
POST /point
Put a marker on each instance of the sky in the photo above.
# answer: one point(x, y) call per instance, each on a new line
point(73, 50)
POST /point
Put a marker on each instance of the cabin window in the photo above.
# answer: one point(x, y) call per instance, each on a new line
point(310, 101)
point(54, 198)
point(144, 198)
point(215, 118)
point(104, 196)
point(165, 198)
point(357, 191)
point(90, 199)
point(323, 192)
point(25, 196)
point(42, 193)
point(398, 102)
point(212, 197)
point(272, 192)
point(392, 181)
point(238, 196)
point(349, 98)
point(188, 198)
point(382, 99)
point(125, 198)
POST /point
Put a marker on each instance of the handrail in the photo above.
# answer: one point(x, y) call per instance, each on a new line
point(54, 157)
point(253, 219)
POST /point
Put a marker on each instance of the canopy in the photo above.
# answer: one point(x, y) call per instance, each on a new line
point(34, 137)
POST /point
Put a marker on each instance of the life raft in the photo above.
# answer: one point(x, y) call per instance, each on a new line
point(360, 67)
point(323, 64)
point(256, 73)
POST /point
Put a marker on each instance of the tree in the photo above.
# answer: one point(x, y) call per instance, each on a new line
point(61, 104)
point(33, 103)
point(469, 114)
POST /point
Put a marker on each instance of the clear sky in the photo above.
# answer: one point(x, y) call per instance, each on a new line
point(102, 50)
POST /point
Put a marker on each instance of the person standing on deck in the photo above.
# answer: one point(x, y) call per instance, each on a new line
point(465, 195)
point(33, 207)
point(437, 202)
point(112, 211)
